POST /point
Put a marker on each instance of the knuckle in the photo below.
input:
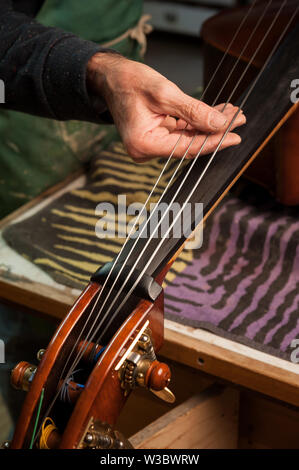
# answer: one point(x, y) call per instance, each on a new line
point(194, 110)
point(189, 110)
point(162, 91)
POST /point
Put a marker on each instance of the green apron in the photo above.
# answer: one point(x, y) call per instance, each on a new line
point(36, 153)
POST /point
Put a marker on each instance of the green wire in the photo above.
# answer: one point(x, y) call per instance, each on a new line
point(37, 417)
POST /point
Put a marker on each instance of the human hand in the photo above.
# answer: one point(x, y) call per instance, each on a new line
point(151, 112)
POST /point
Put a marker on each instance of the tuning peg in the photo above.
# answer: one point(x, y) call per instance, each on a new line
point(144, 370)
point(22, 375)
point(157, 376)
point(157, 379)
point(165, 394)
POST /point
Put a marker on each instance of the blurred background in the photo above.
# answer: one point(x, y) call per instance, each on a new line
point(174, 47)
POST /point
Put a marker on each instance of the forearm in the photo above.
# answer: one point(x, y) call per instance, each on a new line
point(44, 69)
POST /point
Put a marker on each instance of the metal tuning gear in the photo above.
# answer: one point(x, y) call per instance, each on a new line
point(100, 435)
point(142, 369)
point(23, 373)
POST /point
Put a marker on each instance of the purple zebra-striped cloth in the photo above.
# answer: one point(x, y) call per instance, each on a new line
point(243, 282)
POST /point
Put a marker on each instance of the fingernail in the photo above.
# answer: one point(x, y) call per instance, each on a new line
point(217, 120)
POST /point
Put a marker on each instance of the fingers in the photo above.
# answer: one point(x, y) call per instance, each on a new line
point(209, 145)
point(203, 144)
point(235, 118)
point(196, 113)
point(229, 112)
point(161, 141)
point(223, 107)
point(173, 124)
point(162, 146)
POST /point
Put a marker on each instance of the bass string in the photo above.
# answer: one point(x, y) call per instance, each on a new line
point(145, 204)
point(245, 17)
point(173, 151)
point(180, 188)
point(213, 155)
point(85, 346)
point(184, 156)
point(106, 314)
point(204, 171)
point(157, 182)
point(258, 23)
point(115, 261)
point(120, 306)
point(57, 394)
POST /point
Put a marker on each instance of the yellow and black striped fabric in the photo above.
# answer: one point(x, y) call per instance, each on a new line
point(61, 238)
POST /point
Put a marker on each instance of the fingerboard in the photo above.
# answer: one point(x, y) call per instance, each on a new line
point(267, 108)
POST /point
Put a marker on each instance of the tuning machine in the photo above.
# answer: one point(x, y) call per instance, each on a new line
point(22, 375)
point(142, 369)
point(100, 435)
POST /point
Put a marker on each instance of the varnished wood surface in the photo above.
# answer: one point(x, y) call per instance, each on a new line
point(103, 397)
point(47, 376)
point(220, 29)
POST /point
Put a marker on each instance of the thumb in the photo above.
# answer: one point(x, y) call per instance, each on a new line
point(195, 112)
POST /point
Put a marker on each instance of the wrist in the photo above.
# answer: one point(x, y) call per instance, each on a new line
point(98, 68)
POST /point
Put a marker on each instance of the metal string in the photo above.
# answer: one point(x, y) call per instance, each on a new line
point(114, 315)
point(169, 183)
point(212, 157)
point(214, 153)
point(188, 148)
point(80, 353)
point(185, 154)
point(180, 187)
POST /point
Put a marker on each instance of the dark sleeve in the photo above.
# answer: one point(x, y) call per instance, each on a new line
point(44, 69)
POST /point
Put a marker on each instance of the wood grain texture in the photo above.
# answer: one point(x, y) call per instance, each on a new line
point(102, 397)
point(35, 296)
point(224, 171)
point(229, 365)
point(208, 420)
point(249, 372)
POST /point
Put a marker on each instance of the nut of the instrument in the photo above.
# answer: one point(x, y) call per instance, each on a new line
point(158, 376)
point(21, 375)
